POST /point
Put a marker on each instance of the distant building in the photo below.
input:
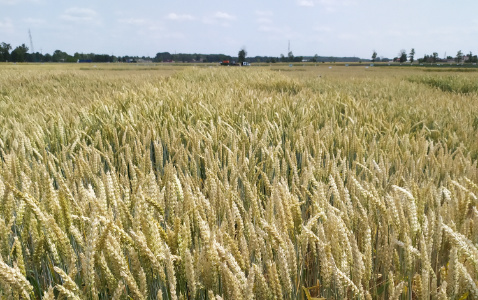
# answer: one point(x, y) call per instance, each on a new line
point(144, 61)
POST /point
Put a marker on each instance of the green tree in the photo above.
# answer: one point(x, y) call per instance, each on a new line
point(5, 51)
point(374, 56)
point(19, 53)
point(402, 56)
point(47, 57)
point(290, 56)
point(472, 58)
point(60, 56)
point(242, 55)
point(459, 56)
point(435, 57)
point(412, 55)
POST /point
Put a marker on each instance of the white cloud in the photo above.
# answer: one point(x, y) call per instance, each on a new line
point(6, 25)
point(80, 15)
point(348, 37)
point(183, 17)
point(224, 16)
point(34, 21)
point(323, 29)
point(264, 13)
point(13, 2)
point(328, 5)
point(276, 31)
point(133, 21)
point(264, 20)
point(219, 18)
point(173, 35)
point(266, 28)
point(307, 3)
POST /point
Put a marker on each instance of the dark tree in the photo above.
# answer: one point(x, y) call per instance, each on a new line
point(60, 56)
point(459, 56)
point(242, 55)
point(374, 56)
point(19, 53)
point(402, 56)
point(412, 55)
point(472, 58)
point(290, 56)
point(5, 51)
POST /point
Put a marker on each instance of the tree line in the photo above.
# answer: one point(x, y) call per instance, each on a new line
point(402, 57)
point(21, 54)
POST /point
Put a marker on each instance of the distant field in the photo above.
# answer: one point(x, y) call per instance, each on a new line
point(125, 181)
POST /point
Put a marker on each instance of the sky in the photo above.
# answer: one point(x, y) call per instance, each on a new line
point(264, 28)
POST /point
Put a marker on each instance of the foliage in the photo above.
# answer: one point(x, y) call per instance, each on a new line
point(459, 57)
point(5, 51)
point(242, 55)
point(412, 55)
point(402, 56)
point(19, 53)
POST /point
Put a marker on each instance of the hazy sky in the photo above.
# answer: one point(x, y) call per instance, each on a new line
point(323, 27)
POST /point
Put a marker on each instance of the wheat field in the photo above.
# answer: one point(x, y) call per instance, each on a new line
point(237, 183)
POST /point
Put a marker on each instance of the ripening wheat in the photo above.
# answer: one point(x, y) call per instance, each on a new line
point(235, 184)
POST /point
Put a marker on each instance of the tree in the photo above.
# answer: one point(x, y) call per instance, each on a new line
point(5, 51)
point(435, 57)
point(19, 53)
point(412, 55)
point(402, 56)
point(374, 56)
point(459, 56)
point(164, 57)
point(60, 56)
point(242, 55)
point(290, 56)
point(47, 57)
point(472, 58)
